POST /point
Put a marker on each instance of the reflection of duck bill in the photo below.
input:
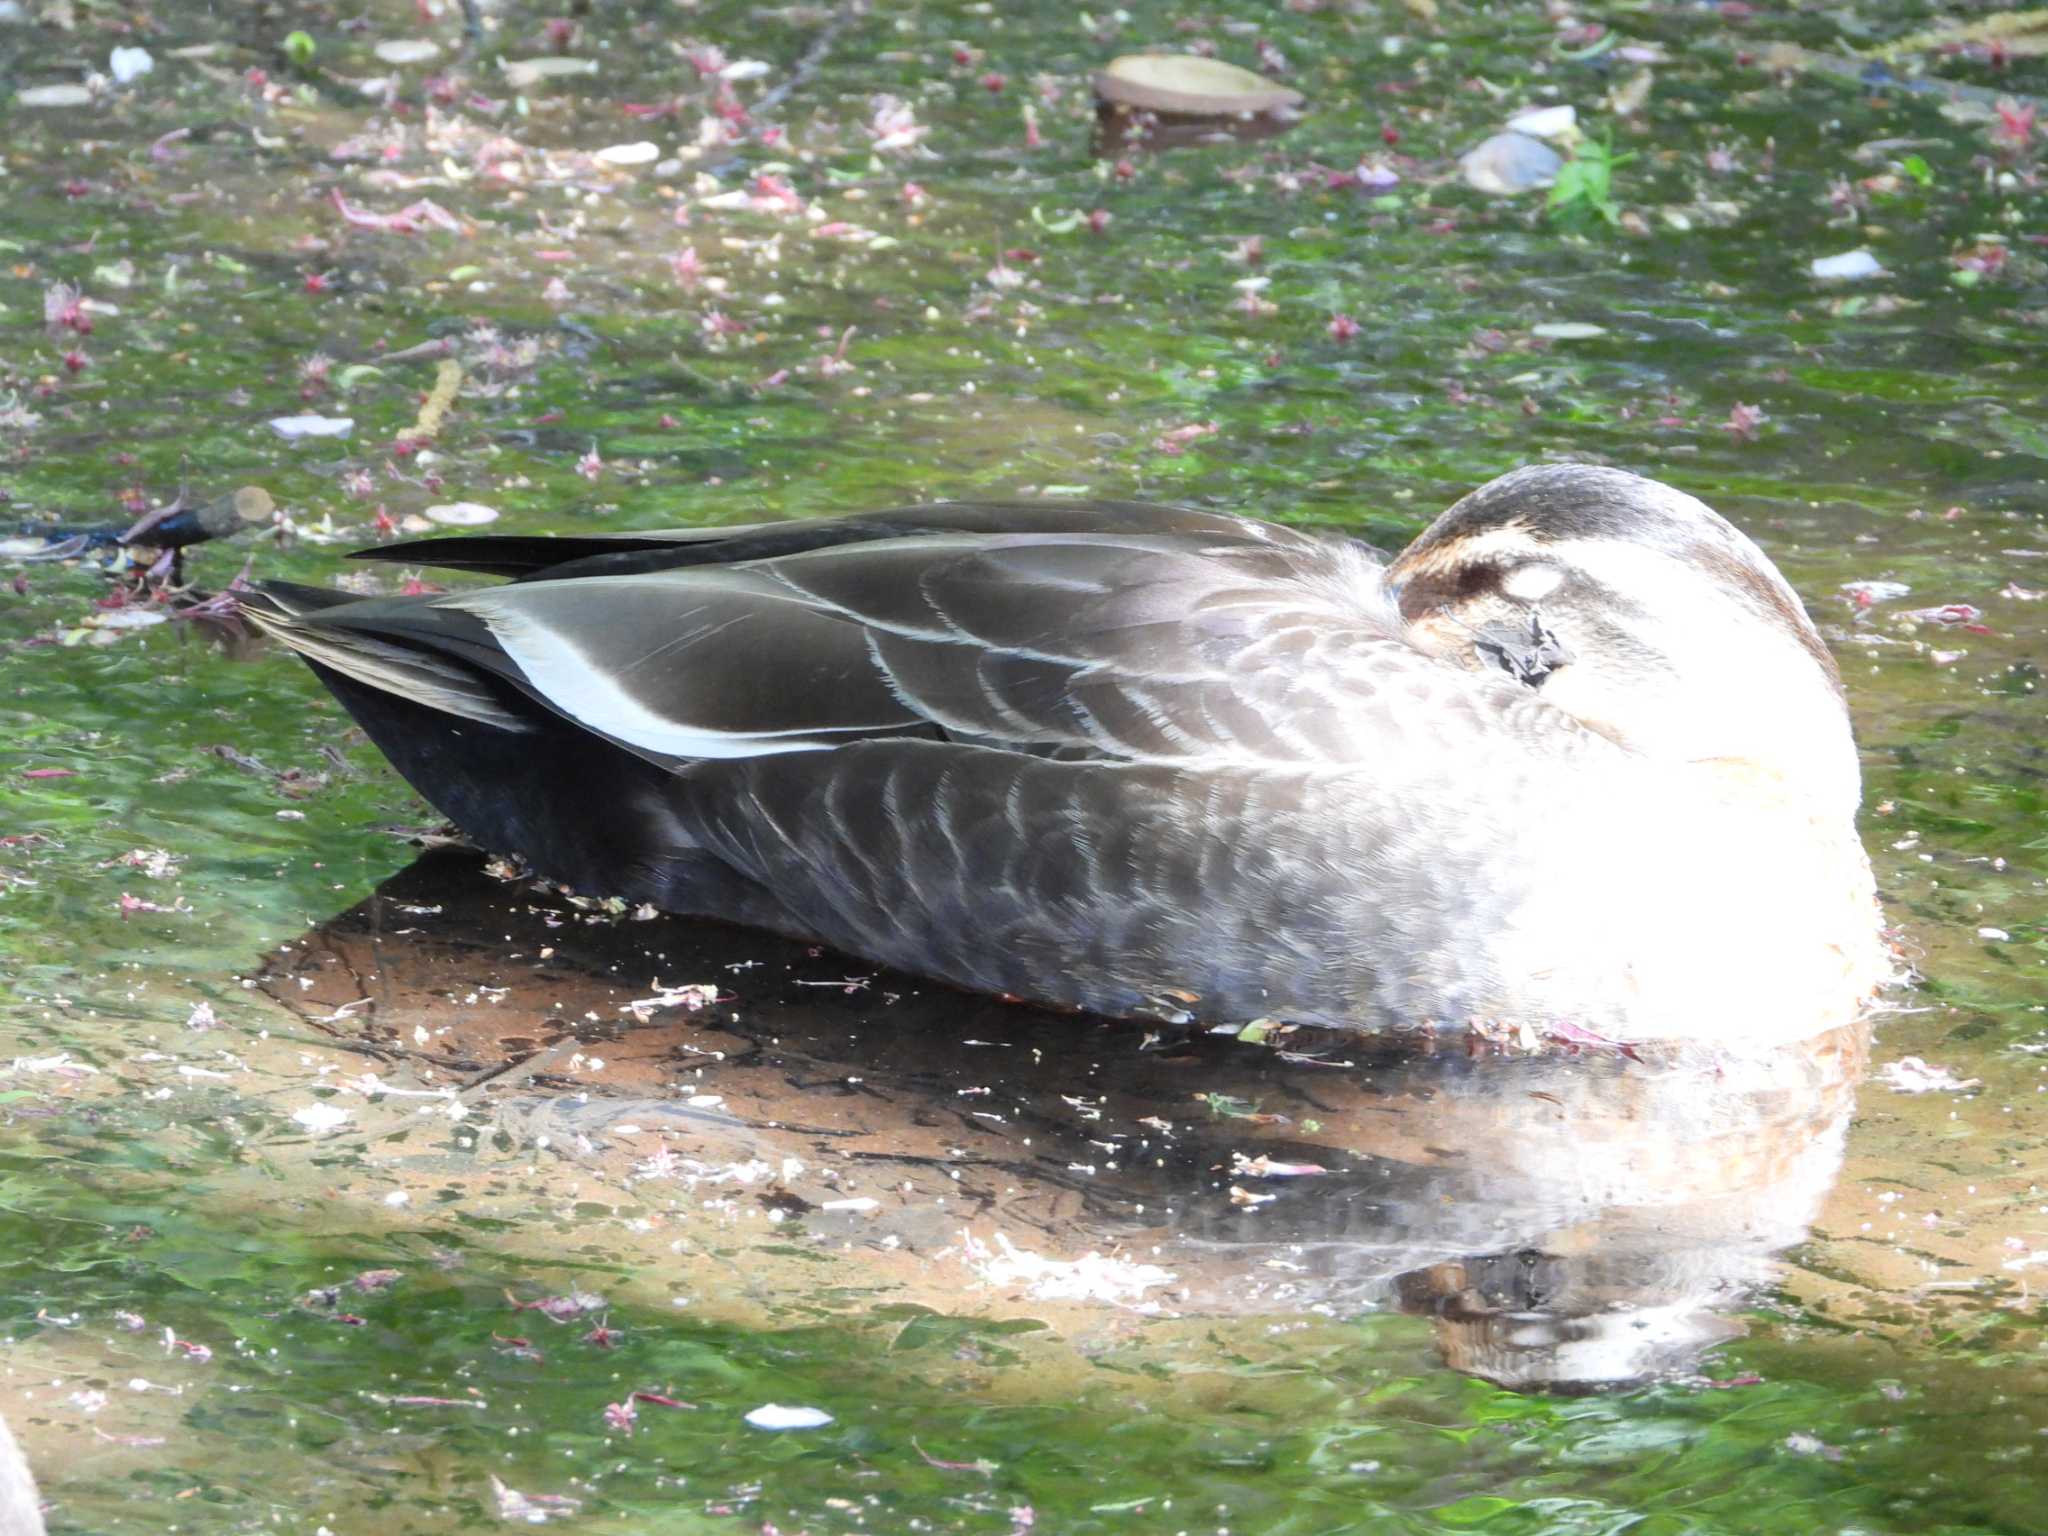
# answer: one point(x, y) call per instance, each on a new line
point(1541, 1352)
point(1607, 1318)
point(1567, 1224)
point(1578, 758)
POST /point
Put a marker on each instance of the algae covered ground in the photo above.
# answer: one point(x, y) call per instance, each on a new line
point(347, 1187)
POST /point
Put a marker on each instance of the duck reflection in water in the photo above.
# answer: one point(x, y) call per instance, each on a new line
point(1573, 1220)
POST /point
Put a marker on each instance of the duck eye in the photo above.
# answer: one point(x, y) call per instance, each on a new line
point(1532, 582)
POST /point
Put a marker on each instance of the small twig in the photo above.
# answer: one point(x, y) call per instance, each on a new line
point(440, 347)
point(383, 1052)
point(812, 59)
point(516, 1071)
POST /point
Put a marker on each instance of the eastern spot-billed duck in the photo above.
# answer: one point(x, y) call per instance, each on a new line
point(1577, 762)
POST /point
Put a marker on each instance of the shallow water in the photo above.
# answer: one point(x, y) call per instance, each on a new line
point(269, 1261)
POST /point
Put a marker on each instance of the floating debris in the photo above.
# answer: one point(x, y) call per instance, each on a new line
point(409, 220)
point(2016, 34)
point(1156, 101)
point(1945, 614)
point(128, 65)
point(1092, 1277)
point(1909, 1074)
point(523, 74)
point(407, 50)
point(1546, 122)
point(1187, 85)
point(124, 618)
point(1509, 164)
point(529, 1509)
point(462, 514)
point(774, 1416)
point(297, 428)
point(53, 96)
point(1847, 267)
point(321, 1118)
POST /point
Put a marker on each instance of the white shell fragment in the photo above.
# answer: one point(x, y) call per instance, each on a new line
point(525, 73)
point(53, 96)
point(127, 65)
point(1848, 266)
point(321, 1118)
point(642, 153)
point(1545, 122)
point(462, 514)
point(124, 618)
point(1909, 1074)
point(407, 50)
point(775, 1416)
point(294, 428)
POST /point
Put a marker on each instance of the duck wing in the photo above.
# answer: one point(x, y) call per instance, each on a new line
point(524, 557)
point(1269, 647)
point(1088, 767)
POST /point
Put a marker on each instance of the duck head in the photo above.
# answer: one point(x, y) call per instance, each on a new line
point(1641, 612)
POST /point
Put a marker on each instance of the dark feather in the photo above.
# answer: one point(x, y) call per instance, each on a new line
point(627, 554)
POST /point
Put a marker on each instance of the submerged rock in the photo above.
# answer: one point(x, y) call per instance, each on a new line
point(1160, 100)
point(1189, 84)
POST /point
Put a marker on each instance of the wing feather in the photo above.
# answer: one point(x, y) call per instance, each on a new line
point(1137, 647)
point(1111, 632)
point(636, 553)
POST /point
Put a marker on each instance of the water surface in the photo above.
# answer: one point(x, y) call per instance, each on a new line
point(300, 1125)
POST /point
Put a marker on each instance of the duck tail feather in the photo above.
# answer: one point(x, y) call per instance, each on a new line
point(290, 614)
